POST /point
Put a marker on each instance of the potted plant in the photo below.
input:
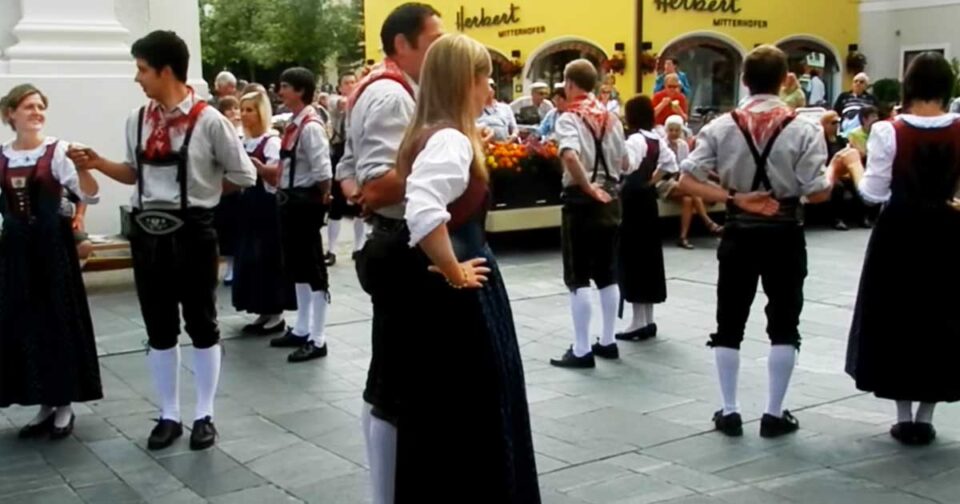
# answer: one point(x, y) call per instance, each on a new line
point(511, 68)
point(616, 63)
point(648, 62)
point(856, 62)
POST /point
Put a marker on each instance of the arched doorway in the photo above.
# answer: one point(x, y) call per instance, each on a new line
point(713, 65)
point(799, 48)
point(503, 83)
point(546, 64)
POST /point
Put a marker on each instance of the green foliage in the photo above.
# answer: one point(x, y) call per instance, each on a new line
point(264, 33)
point(955, 64)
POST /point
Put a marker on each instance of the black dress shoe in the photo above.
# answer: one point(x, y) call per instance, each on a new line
point(62, 432)
point(569, 360)
point(263, 330)
point(771, 426)
point(839, 225)
point(355, 255)
point(924, 433)
point(905, 432)
point(307, 352)
point(164, 434)
point(204, 434)
point(39, 429)
point(731, 425)
point(289, 340)
point(606, 351)
point(330, 259)
point(644, 333)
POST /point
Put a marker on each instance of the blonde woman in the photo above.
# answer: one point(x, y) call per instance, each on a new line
point(259, 285)
point(48, 356)
point(479, 440)
point(791, 93)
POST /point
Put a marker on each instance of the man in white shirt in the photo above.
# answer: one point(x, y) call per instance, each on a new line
point(593, 151)
point(379, 111)
point(818, 90)
point(498, 117)
point(180, 153)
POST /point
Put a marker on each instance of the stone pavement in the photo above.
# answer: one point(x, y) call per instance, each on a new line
point(635, 431)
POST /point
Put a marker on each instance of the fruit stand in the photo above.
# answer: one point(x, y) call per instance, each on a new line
point(525, 183)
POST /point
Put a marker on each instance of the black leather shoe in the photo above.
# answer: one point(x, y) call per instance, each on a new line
point(164, 434)
point(606, 352)
point(355, 255)
point(731, 425)
point(569, 360)
point(62, 432)
point(37, 430)
point(644, 333)
point(905, 432)
point(771, 426)
point(330, 259)
point(289, 340)
point(924, 433)
point(307, 352)
point(263, 330)
point(839, 225)
point(204, 434)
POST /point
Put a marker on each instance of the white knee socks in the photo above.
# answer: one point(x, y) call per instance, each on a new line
point(728, 369)
point(580, 307)
point(302, 328)
point(381, 440)
point(333, 233)
point(904, 411)
point(317, 332)
point(62, 417)
point(640, 319)
point(206, 377)
point(925, 412)
point(780, 366)
point(228, 276)
point(609, 301)
point(649, 309)
point(165, 368)
point(359, 234)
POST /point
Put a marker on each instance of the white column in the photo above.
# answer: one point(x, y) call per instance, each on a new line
point(69, 37)
point(183, 17)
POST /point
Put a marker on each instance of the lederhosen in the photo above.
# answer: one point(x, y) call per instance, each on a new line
point(338, 202)
point(48, 354)
point(175, 256)
point(642, 277)
point(301, 217)
point(259, 283)
point(769, 249)
point(589, 228)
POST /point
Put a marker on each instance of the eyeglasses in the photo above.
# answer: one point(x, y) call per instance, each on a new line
point(859, 82)
point(673, 86)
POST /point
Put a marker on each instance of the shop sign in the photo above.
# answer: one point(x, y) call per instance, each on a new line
point(712, 6)
point(483, 20)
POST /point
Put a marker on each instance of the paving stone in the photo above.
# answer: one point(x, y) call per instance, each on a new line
point(210, 473)
point(259, 495)
point(108, 493)
point(60, 494)
point(302, 465)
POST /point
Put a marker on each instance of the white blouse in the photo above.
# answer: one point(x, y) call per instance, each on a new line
point(61, 167)
point(637, 151)
point(440, 174)
point(882, 151)
point(271, 150)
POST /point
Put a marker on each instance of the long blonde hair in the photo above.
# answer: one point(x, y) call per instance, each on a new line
point(263, 110)
point(452, 66)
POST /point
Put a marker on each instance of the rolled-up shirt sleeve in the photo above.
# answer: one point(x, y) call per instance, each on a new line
point(703, 159)
point(882, 146)
point(384, 125)
point(567, 133)
point(130, 133)
point(809, 167)
point(347, 166)
point(230, 154)
point(66, 173)
point(315, 145)
point(439, 176)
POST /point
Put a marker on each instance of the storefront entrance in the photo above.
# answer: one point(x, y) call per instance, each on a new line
point(798, 49)
point(713, 68)
point(547, 63)
point(503, 82)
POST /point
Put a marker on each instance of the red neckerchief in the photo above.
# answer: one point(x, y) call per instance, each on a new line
point(763, 116)
point(388, 69)
point(290, 132)
point(589, 108)
point(158, 143)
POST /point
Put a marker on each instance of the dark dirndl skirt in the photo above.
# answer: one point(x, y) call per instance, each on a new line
point(641, 272)
point(464, 424)
point(905, 337)
point(226, 218)
point(48, 354)
point(301, 217)
point(259, 283)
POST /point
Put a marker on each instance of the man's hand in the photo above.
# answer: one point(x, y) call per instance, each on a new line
point(78, 224)
point(486, 134)
point(599, 194)
point(350, 190)
point(760, 203)
point(83, 157)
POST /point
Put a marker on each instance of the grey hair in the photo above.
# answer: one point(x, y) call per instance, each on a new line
point(224, 78)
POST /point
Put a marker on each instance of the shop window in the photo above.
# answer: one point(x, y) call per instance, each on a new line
point(802, 53)
point(548, 64)
point(713, 68)
point(908, 53)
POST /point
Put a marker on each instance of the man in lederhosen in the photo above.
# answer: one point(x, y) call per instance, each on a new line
point(180, 155)
point(594, 157)
point(769, 162)
point(340, 206)
point(379, 112)
point(304, 194)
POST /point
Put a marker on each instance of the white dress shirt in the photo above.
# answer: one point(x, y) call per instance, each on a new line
point(440, 174)
point(375, 128)
point(271, 151)
point(882, 146)
point(498, 117)
point(61, 167)
point(818, 91)
point(215, 153)
point(312, 155)
point(573, 134)
point(637, 151)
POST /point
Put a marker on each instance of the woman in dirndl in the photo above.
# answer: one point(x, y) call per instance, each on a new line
point(260, 286)
point(48, 356)
point(227, 213)
point(905, 338)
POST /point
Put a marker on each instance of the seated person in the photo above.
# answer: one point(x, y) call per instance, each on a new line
point(498, 117)
point(670, 101)
point(559, 98)
point(858, 137)
point(533, 109)
point(839, 152)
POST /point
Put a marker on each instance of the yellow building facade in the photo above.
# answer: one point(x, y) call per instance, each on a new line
point(708, 37)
